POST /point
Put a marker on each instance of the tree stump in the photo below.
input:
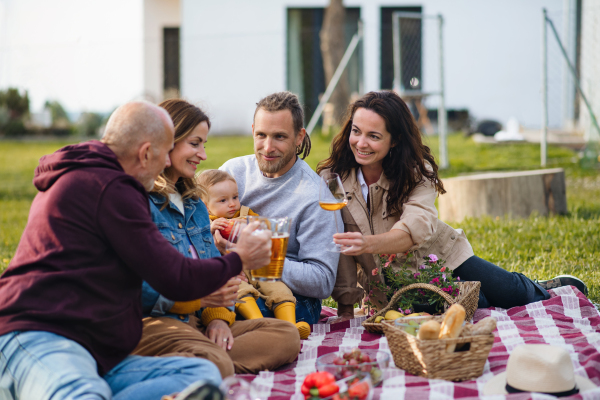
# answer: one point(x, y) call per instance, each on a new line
point(516, 194)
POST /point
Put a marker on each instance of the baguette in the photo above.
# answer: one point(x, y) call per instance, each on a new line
point(452, 325)
point(429, 330)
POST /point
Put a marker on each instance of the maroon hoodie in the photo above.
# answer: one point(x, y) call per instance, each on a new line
point(88, 245)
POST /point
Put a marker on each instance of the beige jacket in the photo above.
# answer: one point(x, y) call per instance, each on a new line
point(418, 219)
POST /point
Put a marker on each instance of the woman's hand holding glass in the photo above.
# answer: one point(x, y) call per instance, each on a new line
point(352, 243)
point(332, 197)
point(253, 245)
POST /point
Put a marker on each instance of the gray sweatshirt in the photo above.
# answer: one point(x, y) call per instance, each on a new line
point(309, 269)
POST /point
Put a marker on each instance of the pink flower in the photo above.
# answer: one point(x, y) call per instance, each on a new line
point(444, 276)
point(392, 257)
point(422, 266)
point(387, 264)
point(435, 280)
point(458, 278)
point(400, 310)
point(442, 269)
point(375, 271)
point(433, 257)
point(417, 274)
point(407, 311)
point(367, 298)
point(372, 312)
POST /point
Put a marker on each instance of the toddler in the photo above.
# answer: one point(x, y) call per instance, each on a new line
point(223, 204)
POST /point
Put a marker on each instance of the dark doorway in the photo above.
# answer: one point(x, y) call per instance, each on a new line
point(411, 37)
point(171, 83)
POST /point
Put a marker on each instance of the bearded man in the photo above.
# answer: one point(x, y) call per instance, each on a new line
point(275, 182)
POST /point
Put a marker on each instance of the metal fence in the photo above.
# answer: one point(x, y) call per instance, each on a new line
point(571, 74)
point(418, 71)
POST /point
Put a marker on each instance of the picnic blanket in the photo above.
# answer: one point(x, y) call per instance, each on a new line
point(568, 319)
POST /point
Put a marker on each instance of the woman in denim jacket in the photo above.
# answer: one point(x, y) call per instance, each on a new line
point(204, 327)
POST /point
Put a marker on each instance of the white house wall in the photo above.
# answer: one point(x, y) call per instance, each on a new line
point(158, 14)
point(233, 52)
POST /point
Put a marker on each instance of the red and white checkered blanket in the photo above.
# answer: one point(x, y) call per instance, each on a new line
point(568, 319)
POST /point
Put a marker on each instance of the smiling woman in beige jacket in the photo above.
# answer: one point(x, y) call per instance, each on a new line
point(391, 180)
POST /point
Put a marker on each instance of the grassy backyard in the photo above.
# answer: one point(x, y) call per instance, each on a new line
point(540, 247)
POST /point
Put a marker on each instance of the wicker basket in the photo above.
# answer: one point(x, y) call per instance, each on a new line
point(468, 297)
point(429, 359)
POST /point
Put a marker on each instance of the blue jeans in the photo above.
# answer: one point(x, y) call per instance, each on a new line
point(36, 365)
point(500, 288)
point(308, 309)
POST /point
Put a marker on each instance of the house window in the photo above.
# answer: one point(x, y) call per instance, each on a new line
point(171, 84)
point(411, 37)
point(305, 74)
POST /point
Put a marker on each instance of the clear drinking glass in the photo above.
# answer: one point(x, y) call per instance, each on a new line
point(280, 235)
point(332, 197)
point(234, 235)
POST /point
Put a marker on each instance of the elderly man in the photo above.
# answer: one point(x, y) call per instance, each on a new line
point(275, 182)
point(70, 309)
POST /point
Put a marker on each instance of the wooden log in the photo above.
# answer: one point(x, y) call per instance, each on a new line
point(516, 194)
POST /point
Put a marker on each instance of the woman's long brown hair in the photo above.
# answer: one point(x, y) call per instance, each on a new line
point(405, 165)
point(186, 117)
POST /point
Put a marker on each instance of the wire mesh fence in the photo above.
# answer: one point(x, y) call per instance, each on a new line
point(571, 95)
point(417, 70)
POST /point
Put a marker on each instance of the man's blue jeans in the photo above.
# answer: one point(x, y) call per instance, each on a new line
point(308, 309)
point(499, 287)
point(37, 365)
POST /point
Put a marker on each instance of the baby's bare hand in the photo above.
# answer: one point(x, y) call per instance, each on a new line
point(218, 224)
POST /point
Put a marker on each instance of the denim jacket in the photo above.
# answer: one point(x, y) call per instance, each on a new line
point(181, 231)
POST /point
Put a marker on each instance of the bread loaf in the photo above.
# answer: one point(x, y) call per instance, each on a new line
point(485, 326)
point(429, 330)
point(452, 325)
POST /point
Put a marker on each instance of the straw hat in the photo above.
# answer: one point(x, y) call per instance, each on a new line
point(538, 368)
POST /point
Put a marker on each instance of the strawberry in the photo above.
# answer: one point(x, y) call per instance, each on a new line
point(359, 391)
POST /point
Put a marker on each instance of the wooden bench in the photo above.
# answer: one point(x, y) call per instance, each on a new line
point(515, 194)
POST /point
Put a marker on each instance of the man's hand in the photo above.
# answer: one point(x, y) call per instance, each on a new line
point(218, 331)
point(225, 296)
point(254, 248)
point(218, 224)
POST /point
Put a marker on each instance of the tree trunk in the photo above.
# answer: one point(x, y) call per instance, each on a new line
point(333, 47)
point(516, 194)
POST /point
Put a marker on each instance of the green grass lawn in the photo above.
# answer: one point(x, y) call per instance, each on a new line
point(539, 247)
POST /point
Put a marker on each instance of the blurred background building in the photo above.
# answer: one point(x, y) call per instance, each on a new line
point(225, 55)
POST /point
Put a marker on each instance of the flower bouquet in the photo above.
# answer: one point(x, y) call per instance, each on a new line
point(431, 271)
point(432, 285)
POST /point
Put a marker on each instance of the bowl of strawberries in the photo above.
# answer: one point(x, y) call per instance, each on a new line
point(357, 361)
